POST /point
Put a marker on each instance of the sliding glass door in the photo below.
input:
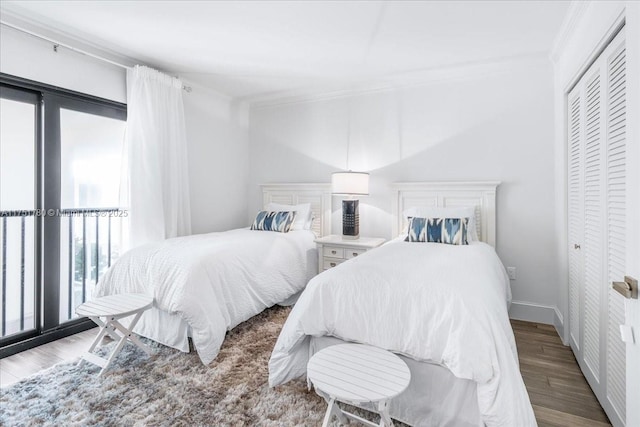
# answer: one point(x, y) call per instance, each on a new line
point(91, 146)
point(61, 223)
point(19, 142)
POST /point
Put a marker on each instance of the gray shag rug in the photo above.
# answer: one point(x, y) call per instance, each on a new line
point(170, 388)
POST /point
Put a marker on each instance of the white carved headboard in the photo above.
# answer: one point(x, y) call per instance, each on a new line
point(319, 195)
point(481, 195)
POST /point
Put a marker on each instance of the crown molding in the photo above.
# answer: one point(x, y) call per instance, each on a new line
point(20, 23)
point(408, 79)
point(397, 81)
point(29, 27)
point(574, 15)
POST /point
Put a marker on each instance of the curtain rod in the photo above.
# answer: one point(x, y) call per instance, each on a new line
point(57, 44)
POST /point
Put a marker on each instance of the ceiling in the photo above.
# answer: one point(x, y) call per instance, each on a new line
point(253, 49)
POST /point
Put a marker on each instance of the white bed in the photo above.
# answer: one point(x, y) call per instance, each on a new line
point(204, 285)
point(443, 308)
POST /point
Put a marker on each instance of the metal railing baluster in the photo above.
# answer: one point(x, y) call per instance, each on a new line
point(22, 232)
point(71, 259)
point(4, 275)
point(109, 242)
point(84, 256)
point(97, 246)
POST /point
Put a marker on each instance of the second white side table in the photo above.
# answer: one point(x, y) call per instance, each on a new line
point(333, 249)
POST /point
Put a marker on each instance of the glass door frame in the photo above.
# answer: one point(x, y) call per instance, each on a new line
point(52, 196)
point(48, 191)
point(34, 98)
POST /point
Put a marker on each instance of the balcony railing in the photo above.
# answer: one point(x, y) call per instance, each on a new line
point(90, 251)
point(89, 243)
point(12, 219)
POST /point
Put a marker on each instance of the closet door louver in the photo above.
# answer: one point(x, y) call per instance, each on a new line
point(592, 225)
point(596, 180)
point(575, 215)
point(616, 220)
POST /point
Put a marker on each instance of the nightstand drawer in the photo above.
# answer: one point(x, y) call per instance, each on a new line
point(333, 252)
point(330, 263)
point(352, 253)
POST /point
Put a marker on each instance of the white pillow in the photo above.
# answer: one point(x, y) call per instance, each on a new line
point(448, 212)
point(303, 212)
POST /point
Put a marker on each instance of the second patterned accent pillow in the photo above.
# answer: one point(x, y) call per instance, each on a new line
point(273, 221)
point(452, 231)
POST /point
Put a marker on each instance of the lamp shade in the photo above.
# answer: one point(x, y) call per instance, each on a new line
point(350, 183)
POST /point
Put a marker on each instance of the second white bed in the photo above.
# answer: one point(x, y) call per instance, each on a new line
point(440, 304)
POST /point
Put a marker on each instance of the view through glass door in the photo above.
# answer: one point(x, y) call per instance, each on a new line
point(91, 229)
point(19, 130)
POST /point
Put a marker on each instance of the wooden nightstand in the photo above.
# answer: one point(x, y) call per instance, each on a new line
point(333, 249)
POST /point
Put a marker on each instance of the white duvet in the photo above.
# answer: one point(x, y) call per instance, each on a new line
point(438, 303)
point(213, 281)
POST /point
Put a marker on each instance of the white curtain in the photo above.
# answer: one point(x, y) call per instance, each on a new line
point(155, 185)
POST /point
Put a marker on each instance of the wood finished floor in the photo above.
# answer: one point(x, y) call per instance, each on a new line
point(558, 391)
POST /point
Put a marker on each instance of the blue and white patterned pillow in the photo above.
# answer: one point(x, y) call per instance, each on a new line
point(455, 230)
point(425, 230)
point(273, 221)
point(452, 231)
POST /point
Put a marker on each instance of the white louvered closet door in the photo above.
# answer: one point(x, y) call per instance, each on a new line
point(596, 181)
point(616, 184)
point(592, 239)
point(576, 228)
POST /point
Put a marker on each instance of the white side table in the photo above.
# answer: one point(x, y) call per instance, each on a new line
point(334, 249)
point(106, 313)
point(356, 374)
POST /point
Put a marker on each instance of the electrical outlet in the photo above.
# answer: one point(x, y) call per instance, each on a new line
point(511, 271)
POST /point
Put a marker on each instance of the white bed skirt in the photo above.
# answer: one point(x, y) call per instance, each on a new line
point(435, 397)
point(166, 328)
point(174, 331)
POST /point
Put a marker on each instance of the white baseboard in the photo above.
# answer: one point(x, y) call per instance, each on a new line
point(538, 313)
point(558, 322)
point(532, 312)
point(558, 319)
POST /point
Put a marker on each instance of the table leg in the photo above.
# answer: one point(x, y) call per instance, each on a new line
point(385, 418)
point(109, 328)
point(104, 329)
point(128, 332)
point(114, 353)
point(333, 409)
point(329, 413)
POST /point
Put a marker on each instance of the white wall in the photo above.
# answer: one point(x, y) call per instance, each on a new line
point(217, 140)
point(495, 126)
point(31, 58)
point(218, 166)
